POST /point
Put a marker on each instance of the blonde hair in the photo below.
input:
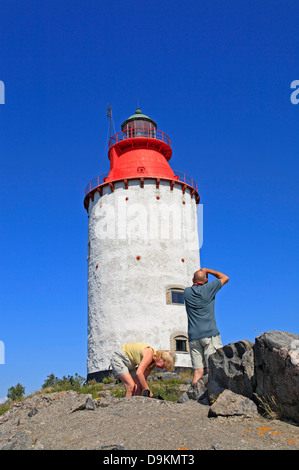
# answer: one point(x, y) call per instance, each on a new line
point(168, 357)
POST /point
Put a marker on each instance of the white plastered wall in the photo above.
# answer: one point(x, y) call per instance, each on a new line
point(126, 295)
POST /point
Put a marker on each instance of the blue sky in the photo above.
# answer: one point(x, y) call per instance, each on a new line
point(216, 78)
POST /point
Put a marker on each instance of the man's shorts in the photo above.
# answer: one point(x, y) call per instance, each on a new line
point(201, 349)
point(121, 364)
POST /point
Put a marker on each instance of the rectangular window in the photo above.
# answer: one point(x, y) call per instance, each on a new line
point(181, 345)
point(177, 297)
point(179, 342)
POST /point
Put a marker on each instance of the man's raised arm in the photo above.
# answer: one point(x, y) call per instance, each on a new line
point(222, 277)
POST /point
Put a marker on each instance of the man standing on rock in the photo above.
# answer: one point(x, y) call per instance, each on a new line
point(203, 335)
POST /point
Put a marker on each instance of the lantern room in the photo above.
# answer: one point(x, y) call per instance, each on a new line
point(139, 125)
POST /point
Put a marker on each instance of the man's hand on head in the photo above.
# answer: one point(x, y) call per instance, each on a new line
point(222, 277)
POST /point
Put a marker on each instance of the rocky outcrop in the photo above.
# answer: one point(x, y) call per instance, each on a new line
point(240, 371)
point(266, 372)
point(276, 360)
point(20, 440)
point(69, 420)
point(72, 421)
point(199, 391)
point(232, 404)
point(232, 368)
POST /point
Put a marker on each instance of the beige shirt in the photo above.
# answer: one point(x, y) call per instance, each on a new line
point(134, 351)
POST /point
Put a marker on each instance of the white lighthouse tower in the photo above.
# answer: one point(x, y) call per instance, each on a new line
point(142, 247)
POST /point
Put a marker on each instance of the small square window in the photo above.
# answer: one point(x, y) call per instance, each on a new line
point(179, 342)
point(181, 345)
point(177, 297)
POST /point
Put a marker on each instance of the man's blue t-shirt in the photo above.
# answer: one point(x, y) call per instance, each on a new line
point(200, 307)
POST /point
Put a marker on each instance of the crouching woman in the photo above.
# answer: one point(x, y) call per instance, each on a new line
point(145, 358)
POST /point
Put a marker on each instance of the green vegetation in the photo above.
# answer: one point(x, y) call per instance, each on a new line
point(4, 408)
point(16, 393)
point(167, 389)
point(66, 383)
point(77, 383)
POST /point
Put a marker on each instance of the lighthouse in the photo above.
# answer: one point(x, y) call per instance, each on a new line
point(143, 247)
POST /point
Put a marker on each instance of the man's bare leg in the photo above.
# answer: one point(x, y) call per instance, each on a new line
point(198, 373)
